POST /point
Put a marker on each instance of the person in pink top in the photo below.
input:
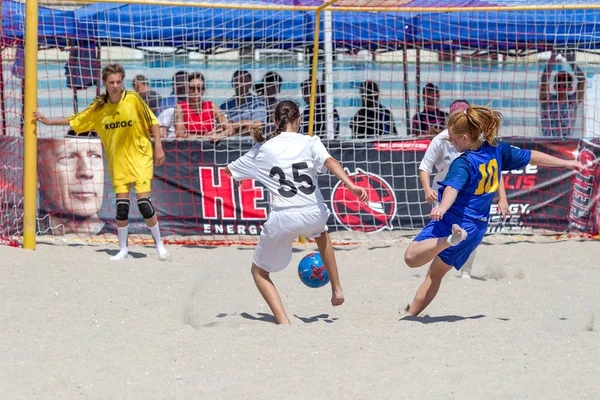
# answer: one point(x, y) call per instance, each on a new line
point(197, 117)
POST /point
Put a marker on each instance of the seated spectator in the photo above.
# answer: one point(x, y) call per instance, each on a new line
point(142, 86)
point(269, 90)
point(166, 112)
point(431, 120)
point(320, 114)
point(244, 110)
point(559, 108)
point(196, 117)
point(373, 120)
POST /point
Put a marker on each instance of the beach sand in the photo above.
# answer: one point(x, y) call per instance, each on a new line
point(75, 325)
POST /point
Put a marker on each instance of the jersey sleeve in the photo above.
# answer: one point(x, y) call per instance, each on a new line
point(320, 154)
point(514, 157)
point(430, 156)
point(84, 121)
point(245, 166)
point(458, 174)
point(145, 112)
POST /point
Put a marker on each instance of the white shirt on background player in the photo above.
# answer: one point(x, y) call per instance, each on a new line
point(166, 119)
point(289, 157)
point(440, 155)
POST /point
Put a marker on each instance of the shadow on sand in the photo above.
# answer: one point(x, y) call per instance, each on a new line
point(434, 320)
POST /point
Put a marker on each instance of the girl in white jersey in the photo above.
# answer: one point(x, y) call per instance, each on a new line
point(440, 155)
point(286, 163)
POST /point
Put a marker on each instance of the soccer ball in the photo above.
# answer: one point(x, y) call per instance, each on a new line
point(312, 272)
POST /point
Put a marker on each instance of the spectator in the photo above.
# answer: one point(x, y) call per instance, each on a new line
point(373, 119)
point(269, 90)
point(559, 106)
point(166, 116)
point(244, 110)
point(320, 114)
point(142, 86)
point(197, 117)
point(431, 120)
point(71, 182)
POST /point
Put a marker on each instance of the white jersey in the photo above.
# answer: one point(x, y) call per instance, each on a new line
point(287, 166)
point(440, 155)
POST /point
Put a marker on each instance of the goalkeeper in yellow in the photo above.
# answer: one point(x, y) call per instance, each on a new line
point(123, 121)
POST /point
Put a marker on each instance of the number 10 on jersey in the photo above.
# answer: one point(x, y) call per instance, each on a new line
point(489, 177)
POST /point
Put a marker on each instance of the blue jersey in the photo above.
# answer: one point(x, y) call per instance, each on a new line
point(476, 174)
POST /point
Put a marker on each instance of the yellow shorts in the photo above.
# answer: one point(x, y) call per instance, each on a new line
point(140, 187)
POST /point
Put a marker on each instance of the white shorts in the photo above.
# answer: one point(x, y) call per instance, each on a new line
point(274, 249)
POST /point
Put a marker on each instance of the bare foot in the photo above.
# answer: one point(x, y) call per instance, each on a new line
point(282, 321)
point(458, 235)
point(337, 299)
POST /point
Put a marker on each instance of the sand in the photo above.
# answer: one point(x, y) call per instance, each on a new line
point(75, 325)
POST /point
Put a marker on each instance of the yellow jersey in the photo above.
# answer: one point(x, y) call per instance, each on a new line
point(124, 129)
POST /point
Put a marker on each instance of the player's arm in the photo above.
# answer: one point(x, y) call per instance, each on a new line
point(457, 178)
point(245, 166)
point(334, 166)
point(50, 122)
point(515, 158)
point(425, 178)
point(426, 168)
point(502, 199)
point(448, 198)
point(546, 160)
point(159, 154)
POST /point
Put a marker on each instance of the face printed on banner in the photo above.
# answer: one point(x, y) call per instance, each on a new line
point(71, 175)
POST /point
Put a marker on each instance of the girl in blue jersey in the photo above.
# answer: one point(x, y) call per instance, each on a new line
point(460, 221)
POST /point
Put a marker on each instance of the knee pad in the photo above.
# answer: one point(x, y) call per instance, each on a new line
point(146, 208)
point(123, 209)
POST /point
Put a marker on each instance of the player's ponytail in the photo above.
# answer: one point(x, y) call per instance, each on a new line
point(110, 69)
point(286, 116)
point(257, 134)
point(480, 123)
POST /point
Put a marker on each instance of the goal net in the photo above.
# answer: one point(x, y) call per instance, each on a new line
point(386, 74)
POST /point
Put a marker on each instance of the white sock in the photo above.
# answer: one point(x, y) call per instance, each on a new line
point(160, 247)
point(123, 233)
point(155, 230)
point(453, 239)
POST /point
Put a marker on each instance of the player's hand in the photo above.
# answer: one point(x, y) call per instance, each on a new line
point(159, 157)
point(503, 206)
point(431, 195)
point(437, 213)
point(576, 165)
point(40, 117)
point(359, 192)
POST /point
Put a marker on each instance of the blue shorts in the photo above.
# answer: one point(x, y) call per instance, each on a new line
point(455, 256)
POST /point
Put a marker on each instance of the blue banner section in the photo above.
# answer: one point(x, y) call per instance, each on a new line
point(135, 25)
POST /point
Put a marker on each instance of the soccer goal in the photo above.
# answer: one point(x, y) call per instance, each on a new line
point(374, 80)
